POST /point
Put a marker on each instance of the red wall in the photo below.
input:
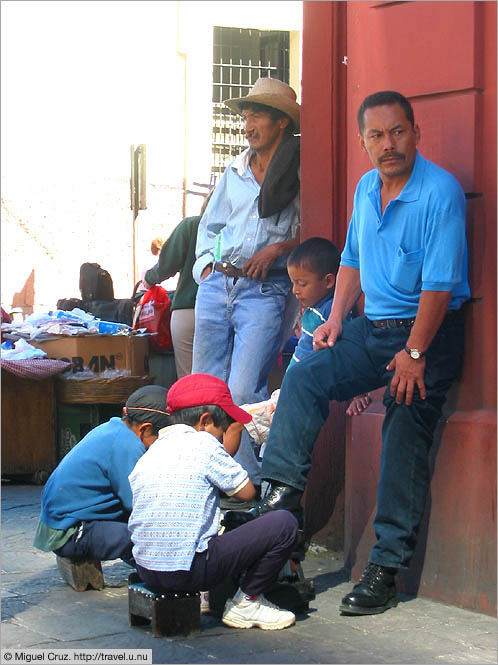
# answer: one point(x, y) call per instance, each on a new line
point(323, 199)
point(442, 56)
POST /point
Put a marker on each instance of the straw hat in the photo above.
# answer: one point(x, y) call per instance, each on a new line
point(274, 93)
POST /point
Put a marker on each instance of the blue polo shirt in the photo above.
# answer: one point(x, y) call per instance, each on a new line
point(418, 244)
point(312, 318)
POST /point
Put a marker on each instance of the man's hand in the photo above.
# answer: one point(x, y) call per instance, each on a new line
point(257, 267)
point(326, 335)
point(207, 271)
point(408, 373)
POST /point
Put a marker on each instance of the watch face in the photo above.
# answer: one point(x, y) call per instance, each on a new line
point(415, 354)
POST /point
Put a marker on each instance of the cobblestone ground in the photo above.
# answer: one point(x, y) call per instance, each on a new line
point(39, 611)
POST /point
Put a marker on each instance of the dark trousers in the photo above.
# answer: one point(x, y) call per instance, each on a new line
point(102, 540)
point(357, 364)
point(260, 548)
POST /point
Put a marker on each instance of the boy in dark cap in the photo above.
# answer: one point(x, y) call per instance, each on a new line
point(87, 499)
point(175, 518)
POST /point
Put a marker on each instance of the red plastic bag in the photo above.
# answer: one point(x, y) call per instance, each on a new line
point(153, 312)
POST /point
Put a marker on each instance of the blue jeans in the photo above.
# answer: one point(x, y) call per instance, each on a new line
point(238, 333)
point(356, 364)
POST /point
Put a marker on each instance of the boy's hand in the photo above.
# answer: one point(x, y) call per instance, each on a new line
point(359, 404)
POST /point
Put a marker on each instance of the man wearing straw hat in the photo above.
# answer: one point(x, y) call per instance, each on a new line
point(245, 235)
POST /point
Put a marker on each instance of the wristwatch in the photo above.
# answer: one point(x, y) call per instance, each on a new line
point(414, 353)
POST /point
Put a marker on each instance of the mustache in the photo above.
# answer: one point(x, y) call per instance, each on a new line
point(398, 155)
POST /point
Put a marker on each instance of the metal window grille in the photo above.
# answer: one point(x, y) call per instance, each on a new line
point(240, 57)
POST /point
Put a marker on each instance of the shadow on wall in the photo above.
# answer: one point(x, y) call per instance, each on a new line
point(25, 298)
point(324, 496)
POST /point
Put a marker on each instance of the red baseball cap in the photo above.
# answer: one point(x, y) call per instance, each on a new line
point(202, 390)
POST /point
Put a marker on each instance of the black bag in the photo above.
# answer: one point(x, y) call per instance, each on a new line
point(67, 304)
point(95, 283)
point(118, 311)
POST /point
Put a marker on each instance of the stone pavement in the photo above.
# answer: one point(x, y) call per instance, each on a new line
point(39, 611)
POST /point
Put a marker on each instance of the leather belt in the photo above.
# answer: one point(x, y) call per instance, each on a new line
point(228, 269)
point(393, 323)
point(451, 314)
point(232, 271)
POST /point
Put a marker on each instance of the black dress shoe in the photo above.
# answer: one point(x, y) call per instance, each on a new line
point(373, 594)
point(281, 497)
point(277, 497)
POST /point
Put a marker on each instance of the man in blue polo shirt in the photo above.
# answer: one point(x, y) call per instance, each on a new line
point(406, 251)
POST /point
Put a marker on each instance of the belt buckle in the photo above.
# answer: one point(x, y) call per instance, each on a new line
point(223, 267)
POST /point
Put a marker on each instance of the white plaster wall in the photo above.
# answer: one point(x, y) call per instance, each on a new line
point(80, 82)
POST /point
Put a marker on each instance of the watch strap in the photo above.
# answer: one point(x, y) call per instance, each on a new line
point(410, 352)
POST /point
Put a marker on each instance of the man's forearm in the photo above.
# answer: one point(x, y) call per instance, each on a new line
point(432, 309)
point(347, 292)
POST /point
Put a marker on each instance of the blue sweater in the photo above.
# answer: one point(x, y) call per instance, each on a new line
point(91, 481)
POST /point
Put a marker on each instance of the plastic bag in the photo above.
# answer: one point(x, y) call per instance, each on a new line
point(21, 350)
point(262, 416)
point(153, 313)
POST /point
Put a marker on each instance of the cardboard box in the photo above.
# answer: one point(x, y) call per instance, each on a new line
point(100, 352)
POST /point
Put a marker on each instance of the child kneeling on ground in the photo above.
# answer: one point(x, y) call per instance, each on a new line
point(175, 517)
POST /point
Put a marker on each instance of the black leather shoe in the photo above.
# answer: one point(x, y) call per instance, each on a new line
point(281, 497)
point(373, 594)
point(277, 497)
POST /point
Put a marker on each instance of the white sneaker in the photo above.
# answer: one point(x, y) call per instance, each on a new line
point(240, 612)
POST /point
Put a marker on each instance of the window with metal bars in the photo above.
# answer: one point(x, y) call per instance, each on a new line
point(240, 57)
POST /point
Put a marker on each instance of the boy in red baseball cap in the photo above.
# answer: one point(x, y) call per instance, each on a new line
point(175, 518)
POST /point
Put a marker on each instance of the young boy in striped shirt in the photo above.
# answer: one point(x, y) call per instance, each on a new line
point(175, 518)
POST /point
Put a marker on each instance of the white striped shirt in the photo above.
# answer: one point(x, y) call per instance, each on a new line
point(175, 500)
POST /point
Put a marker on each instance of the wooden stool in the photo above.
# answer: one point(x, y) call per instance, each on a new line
point(171, 613)
point(81, 574)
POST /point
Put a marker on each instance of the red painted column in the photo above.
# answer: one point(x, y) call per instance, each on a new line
point(450, 78)
point(323, 126)
point(323, 213)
